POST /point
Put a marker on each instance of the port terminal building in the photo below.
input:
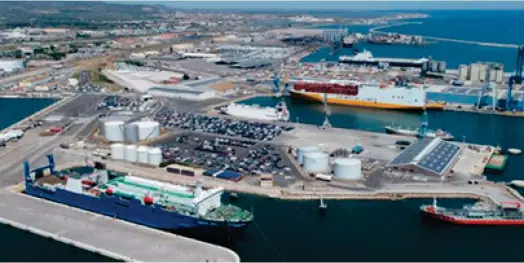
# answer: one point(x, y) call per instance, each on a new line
point(429, 156)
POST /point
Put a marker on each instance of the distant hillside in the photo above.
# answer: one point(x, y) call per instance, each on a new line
point(71, 13)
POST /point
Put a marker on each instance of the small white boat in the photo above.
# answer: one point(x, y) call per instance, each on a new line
point(519, 183)
point(514, 151)
point(322, 205)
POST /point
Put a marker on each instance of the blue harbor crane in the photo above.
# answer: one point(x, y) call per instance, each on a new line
point(423, 126)
point(517, 78)
point(276, 83)
point(40, 170)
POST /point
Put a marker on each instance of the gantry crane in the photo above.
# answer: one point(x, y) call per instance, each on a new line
point(515, 79)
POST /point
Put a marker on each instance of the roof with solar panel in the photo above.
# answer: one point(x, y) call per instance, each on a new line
point(432, 155)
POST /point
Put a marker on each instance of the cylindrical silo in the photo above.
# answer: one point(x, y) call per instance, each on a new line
point(305, 149)
point(142, 153)
point(442, 66)
point(113, 131)
point(131, 132)
point(316, 162)
point(434, 66)
point(130, 153)
point(102, 121)
point(155, 156)
point(147, 129)
point(348, 169)
point(117, 151)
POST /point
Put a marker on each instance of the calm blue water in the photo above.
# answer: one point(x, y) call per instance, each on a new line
point(13, 110)
point(487, 26)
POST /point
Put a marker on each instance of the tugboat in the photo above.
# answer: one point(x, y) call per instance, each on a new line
point(480, 213)
point(421, 132)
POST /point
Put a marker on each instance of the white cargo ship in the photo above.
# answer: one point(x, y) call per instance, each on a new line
point(366, 57)
point(277, 113)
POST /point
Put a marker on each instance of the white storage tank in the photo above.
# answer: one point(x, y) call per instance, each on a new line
point(130, 153)
point(117, 151)
point(147, 129)
point(348, 169)
point(108, 119)
point(142, 153)
point(305, 149)
point(131, 133)
point(155, 156)
point(113, 131)
point(316, 162)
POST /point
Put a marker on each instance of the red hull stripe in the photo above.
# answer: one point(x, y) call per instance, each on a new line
point(455, 220)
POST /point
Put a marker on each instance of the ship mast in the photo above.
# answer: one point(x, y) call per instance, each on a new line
point(327, 113)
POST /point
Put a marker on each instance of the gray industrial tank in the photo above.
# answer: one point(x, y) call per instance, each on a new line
point(130, 132)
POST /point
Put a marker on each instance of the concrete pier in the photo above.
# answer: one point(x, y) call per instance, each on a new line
point(107, 236)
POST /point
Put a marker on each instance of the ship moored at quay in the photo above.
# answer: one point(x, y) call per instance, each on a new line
point(146, 202)
point(371, 95)
point(480, 213)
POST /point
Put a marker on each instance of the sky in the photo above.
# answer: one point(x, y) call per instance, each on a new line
point(343, 5)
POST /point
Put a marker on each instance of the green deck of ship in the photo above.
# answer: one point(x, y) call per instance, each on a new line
point(155, 190)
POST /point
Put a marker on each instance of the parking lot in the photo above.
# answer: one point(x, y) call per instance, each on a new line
point(216, 153)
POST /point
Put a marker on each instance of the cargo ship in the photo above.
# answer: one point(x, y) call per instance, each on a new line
point(444, 135)
point(352, 93)
point(146, 202)
point(366, 58)
point(480, 213)
point(348, 42)
point(277, 113)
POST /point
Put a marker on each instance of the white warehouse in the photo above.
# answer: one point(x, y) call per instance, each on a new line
point(183, 92)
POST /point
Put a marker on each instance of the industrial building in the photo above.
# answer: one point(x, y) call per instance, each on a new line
point(183, 92)
point(190, 90)
point(429, 156)
point(140, 81)
point(252, 63)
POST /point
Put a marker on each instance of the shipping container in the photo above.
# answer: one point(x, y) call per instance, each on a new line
point(323, 177)
point(173, 170)
point(187, 173)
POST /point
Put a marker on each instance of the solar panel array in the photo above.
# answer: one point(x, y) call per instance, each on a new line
point(440, 157)
point(407, 156)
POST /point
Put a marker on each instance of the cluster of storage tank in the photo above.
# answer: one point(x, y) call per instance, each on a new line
point(314, 160)
point(136, 154)
point(118, 129)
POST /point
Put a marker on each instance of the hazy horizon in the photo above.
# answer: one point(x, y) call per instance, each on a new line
point(340, 5)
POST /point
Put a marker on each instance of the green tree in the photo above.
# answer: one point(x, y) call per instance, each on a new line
point(18, 53)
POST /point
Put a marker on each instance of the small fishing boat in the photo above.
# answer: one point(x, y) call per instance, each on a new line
point(514, 151)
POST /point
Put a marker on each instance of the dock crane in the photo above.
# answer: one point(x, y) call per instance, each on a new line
point(517, 78)
point(423, 129)
point(276, 83)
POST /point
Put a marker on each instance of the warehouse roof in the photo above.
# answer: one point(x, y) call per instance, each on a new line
point(433, 155)
point(252, 63)
point(177, 89)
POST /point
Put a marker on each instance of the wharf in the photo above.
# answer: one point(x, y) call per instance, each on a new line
point(107, 236)
point(470, 109)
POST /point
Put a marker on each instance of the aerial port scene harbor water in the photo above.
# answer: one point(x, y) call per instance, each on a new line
point(166, 132)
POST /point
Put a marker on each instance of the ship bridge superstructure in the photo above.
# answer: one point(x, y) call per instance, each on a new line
point(431, 156)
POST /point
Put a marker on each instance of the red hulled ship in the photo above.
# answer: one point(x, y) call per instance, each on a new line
point(480, 213)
